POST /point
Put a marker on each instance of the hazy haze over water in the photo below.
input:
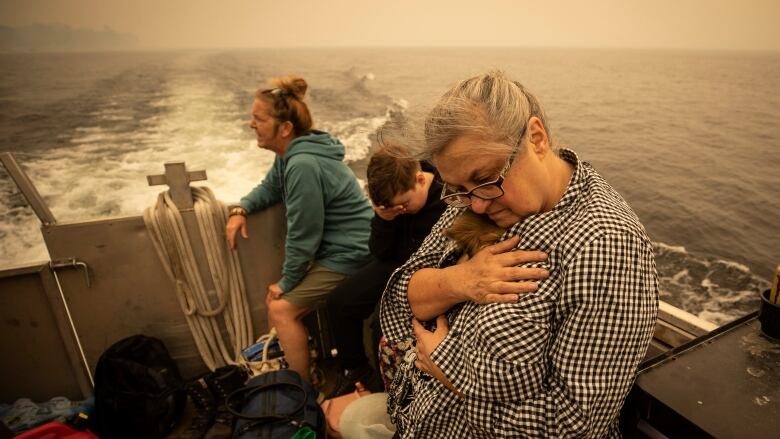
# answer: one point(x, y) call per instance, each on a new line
point(687, 24)
point(689, 138)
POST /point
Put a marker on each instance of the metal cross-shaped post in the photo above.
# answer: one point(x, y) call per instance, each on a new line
point(178, 179)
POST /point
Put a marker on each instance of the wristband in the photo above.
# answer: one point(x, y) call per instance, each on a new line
point(237, 210)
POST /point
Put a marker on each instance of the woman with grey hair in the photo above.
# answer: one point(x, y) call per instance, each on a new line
point(539, 335)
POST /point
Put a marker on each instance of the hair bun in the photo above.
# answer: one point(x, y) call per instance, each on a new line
point(293, 85)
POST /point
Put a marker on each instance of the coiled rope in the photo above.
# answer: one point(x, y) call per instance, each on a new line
point(204, 318)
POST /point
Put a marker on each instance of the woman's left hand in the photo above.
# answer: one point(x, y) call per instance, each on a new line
point(427, 342)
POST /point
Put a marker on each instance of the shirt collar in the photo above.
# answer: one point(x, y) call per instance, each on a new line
point(575, 183)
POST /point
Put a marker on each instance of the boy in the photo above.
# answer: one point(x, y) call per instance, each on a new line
point(406, 205)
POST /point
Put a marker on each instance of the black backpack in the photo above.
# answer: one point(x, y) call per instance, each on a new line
point(139, 392)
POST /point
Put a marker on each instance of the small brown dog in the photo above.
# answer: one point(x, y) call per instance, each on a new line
point(472, 232)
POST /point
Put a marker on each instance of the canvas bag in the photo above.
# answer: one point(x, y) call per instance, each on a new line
point(275, 404)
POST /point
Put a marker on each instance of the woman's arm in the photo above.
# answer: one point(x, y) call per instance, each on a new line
point(491, 276)
point(565, 376)
point(265, 194)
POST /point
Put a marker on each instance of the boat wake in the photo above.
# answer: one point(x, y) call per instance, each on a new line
point(101, 170)
point(713, 289)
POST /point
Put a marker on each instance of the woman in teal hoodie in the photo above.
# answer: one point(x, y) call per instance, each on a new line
point(328, 216)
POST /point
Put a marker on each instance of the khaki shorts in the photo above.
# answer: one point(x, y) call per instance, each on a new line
point(314, 287)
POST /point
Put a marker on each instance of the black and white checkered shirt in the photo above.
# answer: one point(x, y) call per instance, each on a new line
point(560, 361)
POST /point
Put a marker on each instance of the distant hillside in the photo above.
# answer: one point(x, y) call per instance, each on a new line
point(61, 38)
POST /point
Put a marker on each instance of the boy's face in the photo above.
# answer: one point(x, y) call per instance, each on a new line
point(414, 199)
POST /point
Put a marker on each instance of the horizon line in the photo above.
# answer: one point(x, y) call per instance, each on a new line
point(388, 47)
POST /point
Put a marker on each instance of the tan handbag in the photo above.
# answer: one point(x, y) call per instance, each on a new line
point(265, 364)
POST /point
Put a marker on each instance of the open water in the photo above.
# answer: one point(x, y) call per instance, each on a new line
point(691, 139)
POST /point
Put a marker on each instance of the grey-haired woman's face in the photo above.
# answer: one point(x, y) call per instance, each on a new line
point(463, 165)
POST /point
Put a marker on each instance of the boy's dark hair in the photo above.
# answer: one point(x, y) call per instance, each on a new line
point(390, 172)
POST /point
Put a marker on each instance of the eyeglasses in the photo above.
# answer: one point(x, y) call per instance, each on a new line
point(486, 191)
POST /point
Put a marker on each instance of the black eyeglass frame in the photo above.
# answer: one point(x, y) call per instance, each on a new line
point(453, 199)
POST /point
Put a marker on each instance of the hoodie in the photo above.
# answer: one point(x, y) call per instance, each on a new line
point(328, 216)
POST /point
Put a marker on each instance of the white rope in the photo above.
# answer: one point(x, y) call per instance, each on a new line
point(205, 318)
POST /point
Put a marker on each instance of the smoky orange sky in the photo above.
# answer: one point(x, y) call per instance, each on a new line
point(161, 24)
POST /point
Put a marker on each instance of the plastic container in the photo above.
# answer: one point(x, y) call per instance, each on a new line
point(367, 418)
